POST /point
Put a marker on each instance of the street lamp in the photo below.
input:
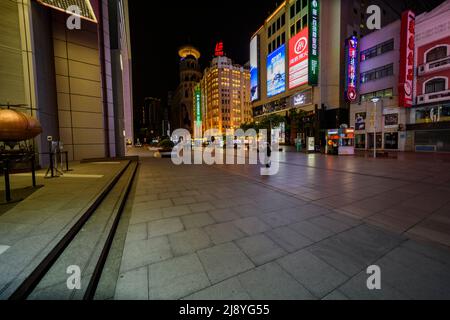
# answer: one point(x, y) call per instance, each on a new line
point(375, 100)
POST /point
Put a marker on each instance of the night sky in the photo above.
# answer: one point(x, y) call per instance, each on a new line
point(159, 28)
point(157, 31)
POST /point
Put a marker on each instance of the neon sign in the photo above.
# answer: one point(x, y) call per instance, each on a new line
point(313, 54)
point(219, 49)
point(351, 71)
point(198, 104)
point(407, 46)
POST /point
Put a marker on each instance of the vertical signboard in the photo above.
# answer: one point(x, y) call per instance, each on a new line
point(198, 112)
point(406, 75)
point(254, 69)
point(276, 72)
point(313, 54)
point(351, 68)
point(298, 59)
point(198, 104)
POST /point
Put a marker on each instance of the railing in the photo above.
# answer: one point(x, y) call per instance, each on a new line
point(434, 97)
point(433, 66)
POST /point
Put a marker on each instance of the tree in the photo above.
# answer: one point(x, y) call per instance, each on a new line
point(270, 121)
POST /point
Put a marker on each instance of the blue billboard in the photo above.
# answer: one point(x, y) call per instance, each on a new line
point(254, 80)
point(276, 72)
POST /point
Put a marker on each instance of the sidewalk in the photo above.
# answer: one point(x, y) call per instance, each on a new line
point(224, 232)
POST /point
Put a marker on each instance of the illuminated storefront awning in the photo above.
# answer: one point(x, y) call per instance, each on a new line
point(85, 7)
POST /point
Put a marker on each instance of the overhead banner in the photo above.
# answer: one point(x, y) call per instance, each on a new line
point(313, 54)
point(351, 70)
point(254, 69)
point(276, 72)
point(406, 75)
point(298, 59)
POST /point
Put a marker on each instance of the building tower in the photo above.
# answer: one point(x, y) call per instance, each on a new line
point(225, 89)
point(190, 75)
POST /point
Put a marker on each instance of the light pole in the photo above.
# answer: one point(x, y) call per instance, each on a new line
point(375, 101)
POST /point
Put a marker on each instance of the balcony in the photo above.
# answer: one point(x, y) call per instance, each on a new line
point(434, 66)
point(434, 97)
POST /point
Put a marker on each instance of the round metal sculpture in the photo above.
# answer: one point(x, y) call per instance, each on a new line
point(16, 126)
point(16, 129)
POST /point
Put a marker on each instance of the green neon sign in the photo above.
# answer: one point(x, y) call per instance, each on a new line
point(198, 104)
point(313, 56)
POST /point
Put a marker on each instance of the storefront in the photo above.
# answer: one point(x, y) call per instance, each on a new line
point(430, 128)
point(390, 123)
point(340, 141)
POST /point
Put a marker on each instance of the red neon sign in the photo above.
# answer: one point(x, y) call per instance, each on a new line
point(407, 46)
point(219, 49)
point(352, 68)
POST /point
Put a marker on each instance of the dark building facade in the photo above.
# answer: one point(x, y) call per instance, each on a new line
point(75, 81)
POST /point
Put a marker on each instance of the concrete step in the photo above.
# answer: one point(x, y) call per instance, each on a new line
point(84, 248)
point(88, 249)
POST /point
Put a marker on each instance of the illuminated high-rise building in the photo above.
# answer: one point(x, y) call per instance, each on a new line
point(298, 63)
point(225, 95)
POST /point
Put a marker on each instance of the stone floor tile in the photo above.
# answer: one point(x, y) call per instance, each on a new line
point(288, 239)
point(260, 249)
point(314, 274)
point(189, 241)
point(143, 252)
point(224, 261)
point(251, 225)
point(165, 226)
point(197, 220)
point(176, 278)
point(271, 282)
point(132, 285)
point(230, 289)
point(223, 232)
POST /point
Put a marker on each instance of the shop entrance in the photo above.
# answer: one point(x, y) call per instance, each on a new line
point(391, 140)
point(370, 141)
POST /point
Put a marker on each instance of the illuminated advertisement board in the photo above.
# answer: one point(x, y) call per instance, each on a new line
point(198, 104)
point(313, 53)
point(406, 76)
point(276, 72)
point(298, 59)
point(351, 70)
point(254, 78)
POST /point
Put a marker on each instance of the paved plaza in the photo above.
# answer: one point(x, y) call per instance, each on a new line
point(309, 232)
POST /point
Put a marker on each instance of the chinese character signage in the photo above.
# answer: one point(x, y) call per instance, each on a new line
point(254, 70)
point(198, 104)
point(351, 68)
point(298, 59)
point(406, 76)
point(218, 51)
point(276, 72)
point(313, 53)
